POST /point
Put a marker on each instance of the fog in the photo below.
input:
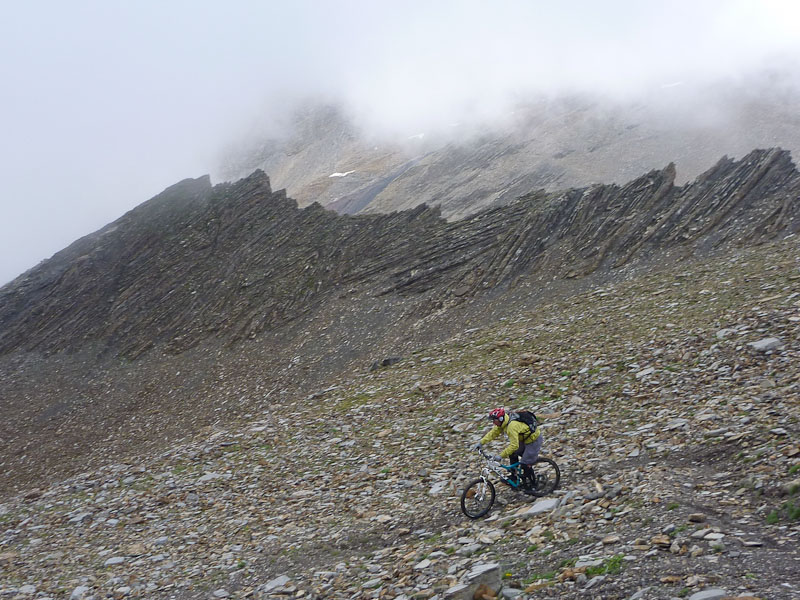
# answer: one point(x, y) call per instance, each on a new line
point(104, 104)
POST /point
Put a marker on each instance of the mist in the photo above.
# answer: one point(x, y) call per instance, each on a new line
point(106, 104)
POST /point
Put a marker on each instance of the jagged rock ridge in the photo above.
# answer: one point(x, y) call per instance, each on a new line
point(231, 261)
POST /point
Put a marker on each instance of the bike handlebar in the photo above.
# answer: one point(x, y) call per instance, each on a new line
point(490, 459)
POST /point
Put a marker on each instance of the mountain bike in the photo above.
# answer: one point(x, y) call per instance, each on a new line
point(478, 496)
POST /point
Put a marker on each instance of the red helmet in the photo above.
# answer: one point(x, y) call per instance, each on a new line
point(498, 414)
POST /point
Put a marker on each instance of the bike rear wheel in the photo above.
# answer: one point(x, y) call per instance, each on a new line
point(477, 498)
point(548, 476)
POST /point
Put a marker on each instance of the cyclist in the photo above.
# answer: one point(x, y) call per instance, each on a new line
point(523, 444)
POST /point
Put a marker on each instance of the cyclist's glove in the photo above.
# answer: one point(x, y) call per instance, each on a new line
point(497, 458)
point(477, 446)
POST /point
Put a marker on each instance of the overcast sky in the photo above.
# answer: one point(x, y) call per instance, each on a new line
point(104, 104)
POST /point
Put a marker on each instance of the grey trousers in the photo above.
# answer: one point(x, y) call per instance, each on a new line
point(528, 454)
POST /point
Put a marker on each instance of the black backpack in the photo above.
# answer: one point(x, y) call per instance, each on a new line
point(527, 417)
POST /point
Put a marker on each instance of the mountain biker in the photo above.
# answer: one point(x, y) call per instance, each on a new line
point(523, 444)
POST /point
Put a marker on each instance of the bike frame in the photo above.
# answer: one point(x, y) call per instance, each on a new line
point(502, 471)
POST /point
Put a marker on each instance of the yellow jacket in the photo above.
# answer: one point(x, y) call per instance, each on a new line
point(517, 432)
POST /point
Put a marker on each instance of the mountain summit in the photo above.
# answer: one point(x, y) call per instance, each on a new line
point(325, 155)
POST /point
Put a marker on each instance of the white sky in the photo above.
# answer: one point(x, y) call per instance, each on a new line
point(104, 104)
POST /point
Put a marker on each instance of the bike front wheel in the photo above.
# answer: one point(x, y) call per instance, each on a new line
point(477, 498)
point(548, 476)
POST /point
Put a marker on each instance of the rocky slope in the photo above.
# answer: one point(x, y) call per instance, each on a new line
point(551, 143)
point(181, 312)
point(189, 409)
point(674, 419)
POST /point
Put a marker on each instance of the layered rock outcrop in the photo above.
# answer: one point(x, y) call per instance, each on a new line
point(232, 261)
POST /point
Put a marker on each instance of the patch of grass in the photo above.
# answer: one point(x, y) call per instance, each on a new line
point(773, 517)
point(509, 383)
point(531, 548)
point(611, 566)
point(788, 510)
point(672, 505)
point(548, 534)
point(549, 576)
point(352, 401)
point(794, 469)
point(568, 562)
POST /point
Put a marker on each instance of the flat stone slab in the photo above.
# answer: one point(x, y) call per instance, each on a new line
point(712, 594)
point(483, 569)
point(275, 584)
point(770, 343)
point(456, 589)
point(542, 506)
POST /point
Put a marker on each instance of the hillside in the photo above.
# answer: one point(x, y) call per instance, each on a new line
point(675, 427)
point(224, 394)
point(210, 302)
